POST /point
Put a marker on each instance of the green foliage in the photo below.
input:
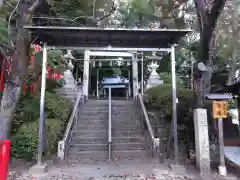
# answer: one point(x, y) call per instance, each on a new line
point(52, 84)
point(167, 78)
point(24, 142)
point(4, 39)
point(137, 12)
point(56, 60)
point(25, 121)
point(160, 98)
point(78, 12)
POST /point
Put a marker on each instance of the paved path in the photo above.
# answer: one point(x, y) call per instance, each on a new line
point(119, 170)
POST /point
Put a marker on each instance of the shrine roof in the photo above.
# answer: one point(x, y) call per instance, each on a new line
point(102, 37)
point(232, 88)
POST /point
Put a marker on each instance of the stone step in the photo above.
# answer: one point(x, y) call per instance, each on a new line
point(117, 127)
point(89, 140)
point(126, 133)
point(123, 139)
point(90, 133)
point(127, 128)
point(88, 147)
point(83, 118)
point(128, 146)
point(95, 108)
point(126, 122)
point(129, 154)
point(104, 147)
point(129, 116)
point(123, 102)
point(104, 140)
point(80, 127)
point(99, 155)
point(99, 133)
point(93, 103)
point(104, 121)
point(93, 113)
point(87, 155)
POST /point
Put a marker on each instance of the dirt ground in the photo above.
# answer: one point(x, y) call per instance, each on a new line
point(116, 170)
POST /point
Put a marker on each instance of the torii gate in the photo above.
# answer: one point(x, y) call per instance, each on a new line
point(89, 53)
point(106, 39)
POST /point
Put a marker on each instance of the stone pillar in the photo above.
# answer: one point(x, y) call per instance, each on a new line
point(135, 75)
point(86, 74)
point(202, 140)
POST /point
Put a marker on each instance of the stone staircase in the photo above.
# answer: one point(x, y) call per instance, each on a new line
point(69, 90)
point(90, 134)
point(128, 139)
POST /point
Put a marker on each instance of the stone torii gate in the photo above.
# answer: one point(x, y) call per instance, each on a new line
point(105, 39)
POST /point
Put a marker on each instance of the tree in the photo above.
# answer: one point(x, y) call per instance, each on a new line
point(136, 13)
point(153, 13)
point(208, 13)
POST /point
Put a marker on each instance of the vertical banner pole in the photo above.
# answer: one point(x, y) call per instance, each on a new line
point(42, 101)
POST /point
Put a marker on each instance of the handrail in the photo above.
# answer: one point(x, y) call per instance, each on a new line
point(71, 119)
point(155, 141)
point(109, 123)
point(63, 144)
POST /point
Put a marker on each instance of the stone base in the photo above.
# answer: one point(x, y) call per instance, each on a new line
point(38, 169)
point(222, 170)
point(205, 176)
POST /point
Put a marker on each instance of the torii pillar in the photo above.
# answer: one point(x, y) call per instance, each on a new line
point(86, 74)
point(135, 75)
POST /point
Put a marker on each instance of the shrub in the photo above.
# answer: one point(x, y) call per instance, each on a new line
point(160, 98)
point(167, 78)
point(52, 84)
point(25, 123)
point(24, 142)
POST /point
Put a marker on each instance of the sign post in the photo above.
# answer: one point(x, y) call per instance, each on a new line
point(220, 113)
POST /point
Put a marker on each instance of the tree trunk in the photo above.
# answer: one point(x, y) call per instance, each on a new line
point(207, 18)
point(19, 69)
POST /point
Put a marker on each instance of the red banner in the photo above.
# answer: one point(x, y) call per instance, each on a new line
point(28, 88)
point(56, 76)
point(4, 159)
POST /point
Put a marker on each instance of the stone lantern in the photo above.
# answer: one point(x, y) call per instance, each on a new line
point(154, 78)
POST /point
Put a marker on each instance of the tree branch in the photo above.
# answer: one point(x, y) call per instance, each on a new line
point(34, 6)
point(216, 9)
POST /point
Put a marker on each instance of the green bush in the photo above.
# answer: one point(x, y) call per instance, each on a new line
point(160, 98)
point(167, 78)
point(24, 142)
point(25, 123)
point(52, 84)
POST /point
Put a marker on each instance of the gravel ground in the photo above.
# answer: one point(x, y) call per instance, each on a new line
point(118, 170)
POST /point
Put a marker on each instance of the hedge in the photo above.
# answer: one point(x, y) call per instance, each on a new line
point(159, 98)
point(25, 122)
